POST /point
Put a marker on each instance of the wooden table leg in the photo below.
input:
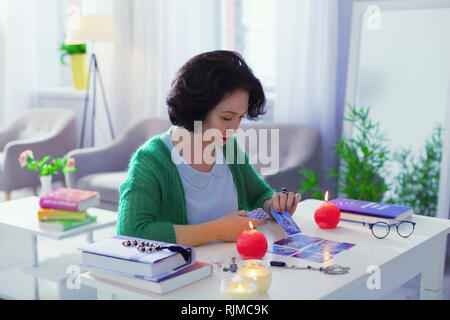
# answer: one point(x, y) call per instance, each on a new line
point(433, 277)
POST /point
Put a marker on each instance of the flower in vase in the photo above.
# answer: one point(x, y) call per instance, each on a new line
point(24, 156)
point(47, 166)
point(70, 163)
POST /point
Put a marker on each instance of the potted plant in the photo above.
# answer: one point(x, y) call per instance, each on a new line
point(80, 72)
point(47, 167)
point(417, 184)
point(362, 159)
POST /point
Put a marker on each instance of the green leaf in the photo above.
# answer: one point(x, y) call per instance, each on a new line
point(306, 184)
point(71, 49)
point(65, 170)
point(63, 56)
point(45, 172)
point(44, 160)
point(318, 195)
point(333, 172)
point(32, 166)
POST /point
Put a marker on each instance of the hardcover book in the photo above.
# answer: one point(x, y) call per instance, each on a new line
point(110, 255)
point(69, 199)
point(186, 276)
point(64, 225)
point(360, 208)
point(47, 214)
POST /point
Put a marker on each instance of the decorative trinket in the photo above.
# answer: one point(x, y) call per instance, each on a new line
point(233, 265)
point(149, 247)
point(332, 269)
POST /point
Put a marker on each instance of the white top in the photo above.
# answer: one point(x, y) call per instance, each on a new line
point(205, 192)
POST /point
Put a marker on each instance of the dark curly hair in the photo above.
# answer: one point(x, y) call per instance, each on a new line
point(205, 80)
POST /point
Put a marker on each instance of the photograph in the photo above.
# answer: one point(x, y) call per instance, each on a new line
point(186, 154)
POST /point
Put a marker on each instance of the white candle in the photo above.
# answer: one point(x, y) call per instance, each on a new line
point(259, 271)
point(238, 288)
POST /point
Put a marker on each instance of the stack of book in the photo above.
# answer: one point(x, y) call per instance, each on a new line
point(63, 209)
point(360, 211)
point(148, 272)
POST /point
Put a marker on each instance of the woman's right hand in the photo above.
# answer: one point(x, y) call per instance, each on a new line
point(230, 226)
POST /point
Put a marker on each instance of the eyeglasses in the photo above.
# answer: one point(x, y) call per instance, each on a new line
point(381, 229)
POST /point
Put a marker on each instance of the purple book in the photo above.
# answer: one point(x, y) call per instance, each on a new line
point(373, 209)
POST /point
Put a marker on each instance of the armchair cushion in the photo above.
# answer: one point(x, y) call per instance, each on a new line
point(106, 183)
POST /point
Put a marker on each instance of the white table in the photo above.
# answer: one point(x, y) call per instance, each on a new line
point(20, 218)
point(398, 259)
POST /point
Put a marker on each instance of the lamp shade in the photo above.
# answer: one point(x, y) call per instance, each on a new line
point(92, 28)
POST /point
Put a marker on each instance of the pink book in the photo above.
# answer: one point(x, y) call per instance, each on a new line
point(69, 199)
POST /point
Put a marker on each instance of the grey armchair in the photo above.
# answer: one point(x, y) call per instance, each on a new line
point(45, 131)
point(103, 169)
point(298, 145)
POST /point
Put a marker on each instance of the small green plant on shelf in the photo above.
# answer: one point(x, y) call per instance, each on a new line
point(68, 49)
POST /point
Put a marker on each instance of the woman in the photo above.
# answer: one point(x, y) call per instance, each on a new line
point(167, 196)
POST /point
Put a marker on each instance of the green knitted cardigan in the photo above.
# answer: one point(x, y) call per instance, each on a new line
point(152, 197)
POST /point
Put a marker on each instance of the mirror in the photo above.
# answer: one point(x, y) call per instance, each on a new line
point(399, 66)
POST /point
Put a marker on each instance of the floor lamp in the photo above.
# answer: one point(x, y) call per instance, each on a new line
point(93, 28)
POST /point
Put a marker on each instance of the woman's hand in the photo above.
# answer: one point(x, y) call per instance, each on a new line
point(230, 226)
point(281, 201)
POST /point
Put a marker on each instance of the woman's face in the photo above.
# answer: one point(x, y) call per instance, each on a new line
point(227, 114)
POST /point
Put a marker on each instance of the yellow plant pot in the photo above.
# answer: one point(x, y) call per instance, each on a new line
point(80, 72)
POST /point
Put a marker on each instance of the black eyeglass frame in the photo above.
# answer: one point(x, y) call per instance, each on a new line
point(389, 227)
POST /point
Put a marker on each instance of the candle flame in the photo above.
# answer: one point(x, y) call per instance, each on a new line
point(326, 196)
point(240, 288)
point(250, 225)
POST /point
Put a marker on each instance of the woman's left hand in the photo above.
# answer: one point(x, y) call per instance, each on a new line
point(282, 201)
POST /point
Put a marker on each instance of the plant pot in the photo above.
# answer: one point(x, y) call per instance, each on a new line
point(46, 185)
point(80, 72)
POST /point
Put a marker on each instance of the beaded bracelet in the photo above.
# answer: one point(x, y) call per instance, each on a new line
point(142, 246)
point(149, 247)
